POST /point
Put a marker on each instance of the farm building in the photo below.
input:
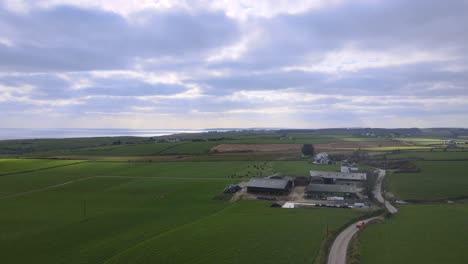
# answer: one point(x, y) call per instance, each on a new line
point(269, 186)
point(348, 168)
point(316, 179)
point(332, 177)
point(322, 158)
point(322, 190)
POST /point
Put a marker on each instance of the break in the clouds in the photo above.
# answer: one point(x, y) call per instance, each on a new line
point(202, 64)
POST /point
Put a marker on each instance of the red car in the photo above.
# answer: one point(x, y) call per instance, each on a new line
point(360, 224)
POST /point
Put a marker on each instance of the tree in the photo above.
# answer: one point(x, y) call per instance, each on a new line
point(308, 149)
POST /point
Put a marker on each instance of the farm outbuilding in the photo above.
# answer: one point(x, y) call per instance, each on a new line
point(322, 190)
point(332, 177)
point(269, 186)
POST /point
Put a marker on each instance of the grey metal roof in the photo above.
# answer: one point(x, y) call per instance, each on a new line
point(332, 188)
point(339, 175)
point(268, 183)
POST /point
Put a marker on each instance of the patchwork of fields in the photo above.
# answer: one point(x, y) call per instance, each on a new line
point(88, 211)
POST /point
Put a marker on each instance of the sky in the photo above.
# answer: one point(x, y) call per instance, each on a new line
point(233, 64)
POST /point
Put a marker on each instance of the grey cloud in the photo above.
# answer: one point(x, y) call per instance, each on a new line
point(73, 39)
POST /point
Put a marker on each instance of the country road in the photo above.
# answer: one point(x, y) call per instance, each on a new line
point(378, 193)
point(339, 247)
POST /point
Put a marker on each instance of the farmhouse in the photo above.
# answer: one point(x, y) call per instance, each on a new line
point(269, 186)
point(322, 190)
point(332, 177)
point(322, 158)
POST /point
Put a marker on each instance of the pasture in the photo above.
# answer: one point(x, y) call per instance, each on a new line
point(436, 180)
point(430, 234)
point(431, 155)
point(18, 165)
point(246, 232)
point(152, 212)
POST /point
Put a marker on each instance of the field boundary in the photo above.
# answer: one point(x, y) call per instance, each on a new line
point(109, 176)
point(47, 168)
point(166, 232)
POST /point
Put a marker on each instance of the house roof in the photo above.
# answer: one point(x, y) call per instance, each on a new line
point(339, 175)
point(332, 188)
point(268, 183)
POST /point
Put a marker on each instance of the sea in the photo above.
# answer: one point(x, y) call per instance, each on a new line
point(37, 133)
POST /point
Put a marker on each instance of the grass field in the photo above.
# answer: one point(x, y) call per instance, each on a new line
point(430, 234)
point(161, 212)
point(18, 147)
point(421, 141)
point(11, 184)
point(18, 165)
point(247, 232)
point(204, 169)
point(397, 148)
point(437, 180)
point(434, 155)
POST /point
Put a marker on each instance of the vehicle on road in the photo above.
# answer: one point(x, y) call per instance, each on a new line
point(360, 224)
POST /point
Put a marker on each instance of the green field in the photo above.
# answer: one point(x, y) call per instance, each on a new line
point(18, 165)
point(152, 212)
point(430, 234)
point(24, 146)
point(397, 148)
point(421, 141)
point(437, 180)
point(246, 232)
point(204, 169)
point(434, 155)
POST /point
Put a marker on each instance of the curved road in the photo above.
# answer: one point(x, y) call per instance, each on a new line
point(378, 193)
point(339, 248)
point(340, 245)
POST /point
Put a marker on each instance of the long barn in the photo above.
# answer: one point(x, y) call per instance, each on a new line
point(269, 186)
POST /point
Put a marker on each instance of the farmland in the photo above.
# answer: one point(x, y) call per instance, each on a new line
point(242, 233)
point(17, 165)
point(146, 200)
point(429, 234)
point(431, 155)
point(133, 207)
point(436, 180)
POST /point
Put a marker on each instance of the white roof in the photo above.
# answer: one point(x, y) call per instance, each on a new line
point(339, 175)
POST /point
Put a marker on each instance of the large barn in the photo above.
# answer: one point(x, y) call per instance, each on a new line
point(322, 190)
point(332, 177)
point(269, 186)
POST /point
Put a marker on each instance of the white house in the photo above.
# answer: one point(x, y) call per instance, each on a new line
point(321, 158)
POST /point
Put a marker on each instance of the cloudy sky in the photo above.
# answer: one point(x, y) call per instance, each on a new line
point(214, 64)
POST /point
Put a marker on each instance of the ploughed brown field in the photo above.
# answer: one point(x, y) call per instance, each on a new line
point(297, 147)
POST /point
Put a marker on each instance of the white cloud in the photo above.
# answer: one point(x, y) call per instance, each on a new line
point(240, 9)
point(354, 60)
